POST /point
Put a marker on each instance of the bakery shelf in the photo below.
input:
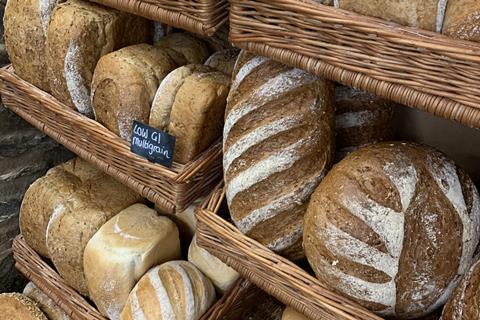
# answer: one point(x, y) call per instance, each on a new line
point(171, 189)
point(272, 273)
point(229, 307)
point(199, 16)
point(417, 68)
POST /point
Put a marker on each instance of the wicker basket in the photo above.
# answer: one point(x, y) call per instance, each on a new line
point(229, 307)
point(417, 68)
point(171, 189)
point(270, 272)
point(199, 16)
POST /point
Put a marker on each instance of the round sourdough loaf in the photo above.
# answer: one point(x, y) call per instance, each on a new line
point(223, 60)
point(79, 33)
point(174, 290)
point(393, 226)
point(462, 20)
point(16, 306)
point(25, 31)
point(464, 303)
point(46, 305)
point(292, 314)
point(122, 250)
point(222, 276)
point(361, 118)
point(184, 48)
point(278, 143)
point(190, 105)
point(124, 85)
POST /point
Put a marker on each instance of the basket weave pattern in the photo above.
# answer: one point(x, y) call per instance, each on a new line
point(171, 189)
point(198, 16)
point(417, 68)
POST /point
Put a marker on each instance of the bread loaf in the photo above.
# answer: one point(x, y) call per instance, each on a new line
point(464, 303)
point(186, 221)
point(122, 250)
point(223, 60)
point(184, 48)
point(393, 226)
point(16, 306)
point(124, 85)
point(421, 14)
point(190, 105)
point(174, 290)
point(79, 34)
point(292, 314)
point(222, 276)
point(462, 19)
point(46, 305)
point(25, 30)
point(361, 118)
point(277, 144)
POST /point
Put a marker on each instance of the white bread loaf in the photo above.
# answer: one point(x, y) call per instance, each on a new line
point(122, 250)
point(278, 144)
point(79, 33)
point(184, 48)
point(292, 314)
point(222, 276)
point(25, 31)
point(46, 305)
point(190, 105)
point(16, 306)
point(125, 83)
point(223, 60)
point(174, 290)
point(186, 221)
point(393, 226)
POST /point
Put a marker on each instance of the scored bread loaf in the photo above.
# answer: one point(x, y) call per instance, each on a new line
point(79, 34)
point(184, 48)
point(122, 250)
point(25, 31)
point(462, 19)
point(173, 290)
point(223, 60)
point(464, 303)
point(292, 314)
point(393, 226)
point(190, 105)
point(16, 306)
point(46, 305)
point(125, 83)
point(222, 276)
point(278, 144)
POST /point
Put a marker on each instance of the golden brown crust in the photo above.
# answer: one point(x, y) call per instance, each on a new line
point(462, 19)
point(16, 306)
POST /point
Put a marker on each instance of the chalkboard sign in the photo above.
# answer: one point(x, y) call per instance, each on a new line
point(154, 145)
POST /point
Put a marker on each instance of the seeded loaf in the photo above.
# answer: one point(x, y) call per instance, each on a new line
point(79, 34)
point(46, 305)
point(393, 226)
point(25, 32)
point(190, 105)
point(184, 48)
point(462, 19)
point(278, 144)
point(292, 314)
point(16, 306)
point(125, 83)
point(122, 250)
point(223, 61)
point(173, 290)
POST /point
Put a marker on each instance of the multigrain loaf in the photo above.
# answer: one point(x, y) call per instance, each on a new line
point(223, 61)
point(122, 250)
point(393, 226)
point(184, 48)
point(190, 105)
point(79, 34)
point(16, 306)
point(462, 19)
point(125, 83)
point(173, 290)
point(46, 305)
point(278, 143)
point(25, 31)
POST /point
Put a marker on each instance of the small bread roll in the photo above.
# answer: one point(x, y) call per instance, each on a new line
point(184, 48)
point(292, 314)
point(223, 277)
point(16, 306)
point(174, 290)
point(190, 105)
point(223, 60)
point(122, 250)
point(47, 305)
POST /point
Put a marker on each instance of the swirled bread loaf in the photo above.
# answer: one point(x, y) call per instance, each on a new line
point(16, 306)
point(45, 303)
point(173, 290)
point(278, 144)
point(393, 226)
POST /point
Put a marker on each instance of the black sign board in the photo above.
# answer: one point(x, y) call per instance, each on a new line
point(154, 145)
